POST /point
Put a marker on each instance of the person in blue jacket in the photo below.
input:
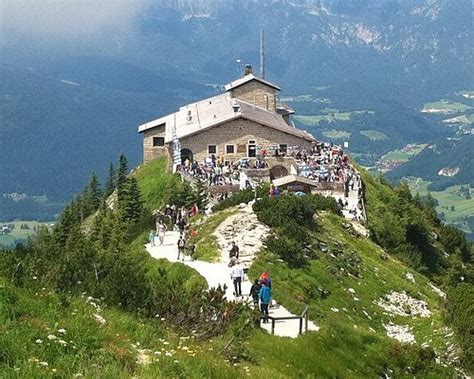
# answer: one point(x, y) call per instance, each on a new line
point(265, 296)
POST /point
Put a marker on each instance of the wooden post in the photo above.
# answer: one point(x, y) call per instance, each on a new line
point(273, 326)
point(306, 322)
point(301, 325)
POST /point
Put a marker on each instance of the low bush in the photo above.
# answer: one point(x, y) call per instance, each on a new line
point(243, 196)
point(292, 218)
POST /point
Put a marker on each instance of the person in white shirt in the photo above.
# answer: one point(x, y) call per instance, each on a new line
point(237, 275)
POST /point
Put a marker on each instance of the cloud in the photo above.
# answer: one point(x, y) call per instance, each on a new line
point(67, 20)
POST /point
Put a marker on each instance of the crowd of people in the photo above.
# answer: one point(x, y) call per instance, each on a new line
point(324, 163)
point(211, 171)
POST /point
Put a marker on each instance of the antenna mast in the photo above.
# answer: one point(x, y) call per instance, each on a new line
point(262, 54)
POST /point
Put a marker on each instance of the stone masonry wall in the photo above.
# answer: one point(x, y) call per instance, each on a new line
point(151, 152)
point(238, 133)
point(256, 93)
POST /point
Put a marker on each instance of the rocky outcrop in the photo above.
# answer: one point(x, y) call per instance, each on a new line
point(245, 230)
point(401, 304)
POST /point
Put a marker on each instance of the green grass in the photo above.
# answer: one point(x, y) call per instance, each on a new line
point(330, 115)
point(156, 183)
point(207, 248)
point(336, 134)
point(447, 105)
point(405, 154)
point(92, 349)
point(17, 233)
point(346, 336)
point(374, 135)
point(447, 199)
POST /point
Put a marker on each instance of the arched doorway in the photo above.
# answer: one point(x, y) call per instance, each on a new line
point(186, 154)
point(278, 171)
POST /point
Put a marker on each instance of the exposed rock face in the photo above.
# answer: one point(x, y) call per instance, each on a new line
point(437, 291)
point(448, 171)
point(399, 303)
point(245, 230)
point(401, 333)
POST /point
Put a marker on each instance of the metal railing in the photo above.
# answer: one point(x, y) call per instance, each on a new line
point(303, 320)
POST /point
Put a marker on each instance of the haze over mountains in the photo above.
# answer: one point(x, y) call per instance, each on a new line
point(74, 87)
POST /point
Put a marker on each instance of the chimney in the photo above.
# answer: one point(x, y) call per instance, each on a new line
point(248, 70)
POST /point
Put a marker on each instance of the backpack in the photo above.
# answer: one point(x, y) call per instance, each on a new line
point(265, 294)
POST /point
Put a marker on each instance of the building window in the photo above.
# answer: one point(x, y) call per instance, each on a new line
point(252, 149)
point(212, 149)
point(229, 149)
point(158, 141)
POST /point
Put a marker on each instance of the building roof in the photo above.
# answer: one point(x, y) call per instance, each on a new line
point(247, 78)
point(285, 180)
point(196, 117)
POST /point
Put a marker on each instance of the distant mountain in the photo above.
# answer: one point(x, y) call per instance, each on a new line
point(68, 106)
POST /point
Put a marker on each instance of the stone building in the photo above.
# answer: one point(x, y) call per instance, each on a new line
point(244, 121)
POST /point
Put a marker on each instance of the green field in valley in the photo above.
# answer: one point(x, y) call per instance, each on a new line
point(404, 155)
point(336, 134)
point(446, 105)
point(18, 233)
point(330, 115)
point(374, 135)
point(455, 208)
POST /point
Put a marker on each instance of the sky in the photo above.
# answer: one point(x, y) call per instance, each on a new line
point(67, 21)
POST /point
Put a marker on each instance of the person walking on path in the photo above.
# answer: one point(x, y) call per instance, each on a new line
point(181, 246)
point(181, 226)
point(237, 276)
point(151, 238)
point(161, 230)
point(255, 292)
point(234, 251)
point(265, 296)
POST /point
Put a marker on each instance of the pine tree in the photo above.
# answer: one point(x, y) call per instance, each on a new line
point(95, 191)
point(110, 181)
point(201, 194)
point(132, 204)
point(91, 197)
point(122, 172)
point(121, 183)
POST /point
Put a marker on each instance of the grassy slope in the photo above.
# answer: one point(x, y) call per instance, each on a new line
point(338, 350)
point(93, 349)
point(339, 345)
point(155, 183)
point(346, 335)
point(207, 248)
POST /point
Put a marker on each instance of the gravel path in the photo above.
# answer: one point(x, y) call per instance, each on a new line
point(218, 273)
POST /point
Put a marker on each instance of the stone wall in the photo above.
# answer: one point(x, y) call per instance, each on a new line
point(256, 93)
point(151, 152)
point(238, 133)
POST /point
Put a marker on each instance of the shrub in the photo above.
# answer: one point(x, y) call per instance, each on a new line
point(288, 249)
point(292, 217)
point(243, 196)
